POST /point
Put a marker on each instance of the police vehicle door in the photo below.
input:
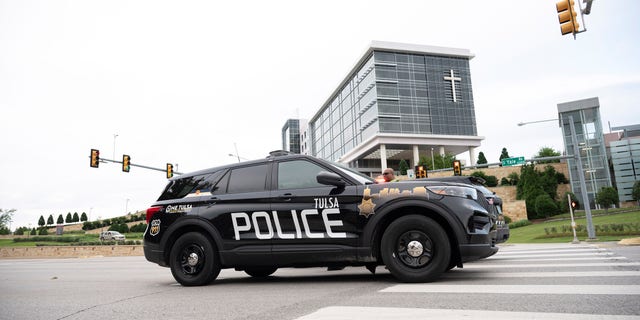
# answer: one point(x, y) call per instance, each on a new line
point(314, 222)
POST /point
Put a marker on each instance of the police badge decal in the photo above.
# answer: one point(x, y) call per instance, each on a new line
point(155, 227)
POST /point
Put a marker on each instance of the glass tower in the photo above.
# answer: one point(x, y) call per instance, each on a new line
point(588, 127)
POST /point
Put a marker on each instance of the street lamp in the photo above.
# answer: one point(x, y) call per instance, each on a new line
point(591, 233)
point(433, 161)
point(114, 145)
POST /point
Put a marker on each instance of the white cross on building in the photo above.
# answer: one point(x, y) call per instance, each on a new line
point(453, 80)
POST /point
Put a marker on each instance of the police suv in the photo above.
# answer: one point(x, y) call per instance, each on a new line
point(291, 210)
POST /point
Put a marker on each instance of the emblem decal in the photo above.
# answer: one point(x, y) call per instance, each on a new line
point(155, 227)
point(367, 205)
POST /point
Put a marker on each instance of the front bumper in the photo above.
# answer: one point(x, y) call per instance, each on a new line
point(472, 252)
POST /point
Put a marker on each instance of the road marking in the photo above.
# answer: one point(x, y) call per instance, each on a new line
point(516, 289)
point(563, 258)
point(554, 265)
point(534, 256)
point(368, 313)
point(536, 252)
point(554, 274)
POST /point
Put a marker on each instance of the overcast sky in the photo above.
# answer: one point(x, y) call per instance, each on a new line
point(187, 82)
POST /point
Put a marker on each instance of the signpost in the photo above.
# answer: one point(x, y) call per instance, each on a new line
point(512, 161)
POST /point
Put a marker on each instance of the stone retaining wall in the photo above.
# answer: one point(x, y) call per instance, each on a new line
point(71, 251)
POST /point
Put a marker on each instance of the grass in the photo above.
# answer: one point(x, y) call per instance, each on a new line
point(532, 233)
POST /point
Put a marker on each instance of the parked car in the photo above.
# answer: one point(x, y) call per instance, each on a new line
point(111, 235)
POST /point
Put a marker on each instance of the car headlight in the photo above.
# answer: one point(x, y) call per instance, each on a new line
point(455, 191)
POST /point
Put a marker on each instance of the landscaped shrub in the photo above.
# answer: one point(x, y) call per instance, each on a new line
point(519, 223)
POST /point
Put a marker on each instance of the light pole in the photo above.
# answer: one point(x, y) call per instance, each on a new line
point(126, 207)
point(433, 161)
point(114, 146)
point(591, 233)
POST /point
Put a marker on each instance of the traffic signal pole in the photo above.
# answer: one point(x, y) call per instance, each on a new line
point(137, 165)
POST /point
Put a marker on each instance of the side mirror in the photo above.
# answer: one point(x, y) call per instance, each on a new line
point(330, 178)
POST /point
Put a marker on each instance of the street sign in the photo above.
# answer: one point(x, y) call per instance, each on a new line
point(512, 161)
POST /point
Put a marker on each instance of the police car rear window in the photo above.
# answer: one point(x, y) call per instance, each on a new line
point(195, 185)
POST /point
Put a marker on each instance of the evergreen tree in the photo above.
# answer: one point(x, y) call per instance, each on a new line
point(41, 221)
point(68, 219)
point(50, 220)
point(60, 219)
point(504, 154)
point(83, 217)
point(636, 191)
point(481, 158)
point(403, 166)
point(76, 218)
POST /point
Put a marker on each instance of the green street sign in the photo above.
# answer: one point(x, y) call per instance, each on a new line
point(512, 161)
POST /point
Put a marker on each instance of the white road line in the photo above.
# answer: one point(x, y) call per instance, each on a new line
point(556, 274)
point(536, 252)
point(532, 256)
point(553, 265)
point(517, 289)
point(370, 313)
point(560, 258)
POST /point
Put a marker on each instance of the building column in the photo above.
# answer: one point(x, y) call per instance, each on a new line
point(416, 156)
point(442, 151)
point(472, 156)
point(383, 156)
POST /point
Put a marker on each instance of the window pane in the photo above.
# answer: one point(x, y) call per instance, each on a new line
point(248, 179)
point(298, 174)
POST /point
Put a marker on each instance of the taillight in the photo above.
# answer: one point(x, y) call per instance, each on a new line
point(151, 211)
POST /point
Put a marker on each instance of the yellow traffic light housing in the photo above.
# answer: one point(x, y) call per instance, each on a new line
point(567, 17)
point(95, 158)
point(126, 163)
point(457, 168)
point(169, 170)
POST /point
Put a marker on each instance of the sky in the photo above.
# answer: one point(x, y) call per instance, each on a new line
point(191, 82)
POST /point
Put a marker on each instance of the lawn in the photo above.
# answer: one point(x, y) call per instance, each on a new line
point(534, 233)
point(85, 238)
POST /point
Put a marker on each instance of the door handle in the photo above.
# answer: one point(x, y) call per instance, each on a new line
point(212, 200)
point(286, 197)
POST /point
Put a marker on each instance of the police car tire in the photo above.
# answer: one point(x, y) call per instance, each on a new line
point(432, 238)
point(260, 272)
point(207, 267)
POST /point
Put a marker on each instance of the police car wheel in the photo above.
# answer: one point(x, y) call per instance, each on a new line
point(193, 260)
point(260, 272)
point(415, 249)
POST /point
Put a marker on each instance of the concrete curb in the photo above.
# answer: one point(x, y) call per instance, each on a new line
point(630, 242)
point(70, 251)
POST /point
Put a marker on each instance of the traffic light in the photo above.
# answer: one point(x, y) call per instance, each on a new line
point(573, 204)
point(568, 17)
point(169, 170)
point(95, 158)
point(457, 168)
point(421, 171)
point(126, 163)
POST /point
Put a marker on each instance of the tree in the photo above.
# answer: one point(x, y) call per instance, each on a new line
point(6, 216)
point(636, 191)
point(606, 197)
point(60, 219)
point(403, 166)
point(481, 158)
point(547, 152)
point(439, 161)
point(50, 220)
point(504, 154)
point(83, 217)
point(41, 221)
point(545, 205)
point(68, 219)
point(76, 218)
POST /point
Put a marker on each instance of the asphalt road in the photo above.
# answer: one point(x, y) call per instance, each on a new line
point(555, 281)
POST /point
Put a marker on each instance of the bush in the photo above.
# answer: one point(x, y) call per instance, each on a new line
point(140, 227)
point(545, 206)
point(519, 223)
point(43, 231)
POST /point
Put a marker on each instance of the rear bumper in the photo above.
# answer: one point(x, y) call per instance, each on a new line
point(154, 253)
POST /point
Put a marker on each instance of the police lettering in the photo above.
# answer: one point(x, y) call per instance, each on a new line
point(243, 222)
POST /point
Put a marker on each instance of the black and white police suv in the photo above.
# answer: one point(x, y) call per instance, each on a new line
point(299, 211)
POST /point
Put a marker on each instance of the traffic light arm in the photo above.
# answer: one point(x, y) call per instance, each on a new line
point(139, 166)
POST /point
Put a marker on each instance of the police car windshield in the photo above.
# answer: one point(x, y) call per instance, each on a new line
point(361, 178)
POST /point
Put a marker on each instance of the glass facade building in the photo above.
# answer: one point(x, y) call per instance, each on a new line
point(291, 136)
point(591, 144)
point(625, 158)
point(398, 102)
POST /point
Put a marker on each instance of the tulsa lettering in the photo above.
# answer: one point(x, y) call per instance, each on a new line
point(243, 222)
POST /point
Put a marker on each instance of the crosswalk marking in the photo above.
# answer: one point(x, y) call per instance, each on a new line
point(555, 274)
point(552, 265)
point(520, 255)
point(368, 313)
point(516, 289)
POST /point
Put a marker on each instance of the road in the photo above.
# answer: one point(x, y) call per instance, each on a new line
point(550, 281)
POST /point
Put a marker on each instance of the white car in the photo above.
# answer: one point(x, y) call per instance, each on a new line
point(111, 235)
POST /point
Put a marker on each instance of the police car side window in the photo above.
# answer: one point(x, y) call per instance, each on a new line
point(248, 179)
point(298, 174)
point(182, 187)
